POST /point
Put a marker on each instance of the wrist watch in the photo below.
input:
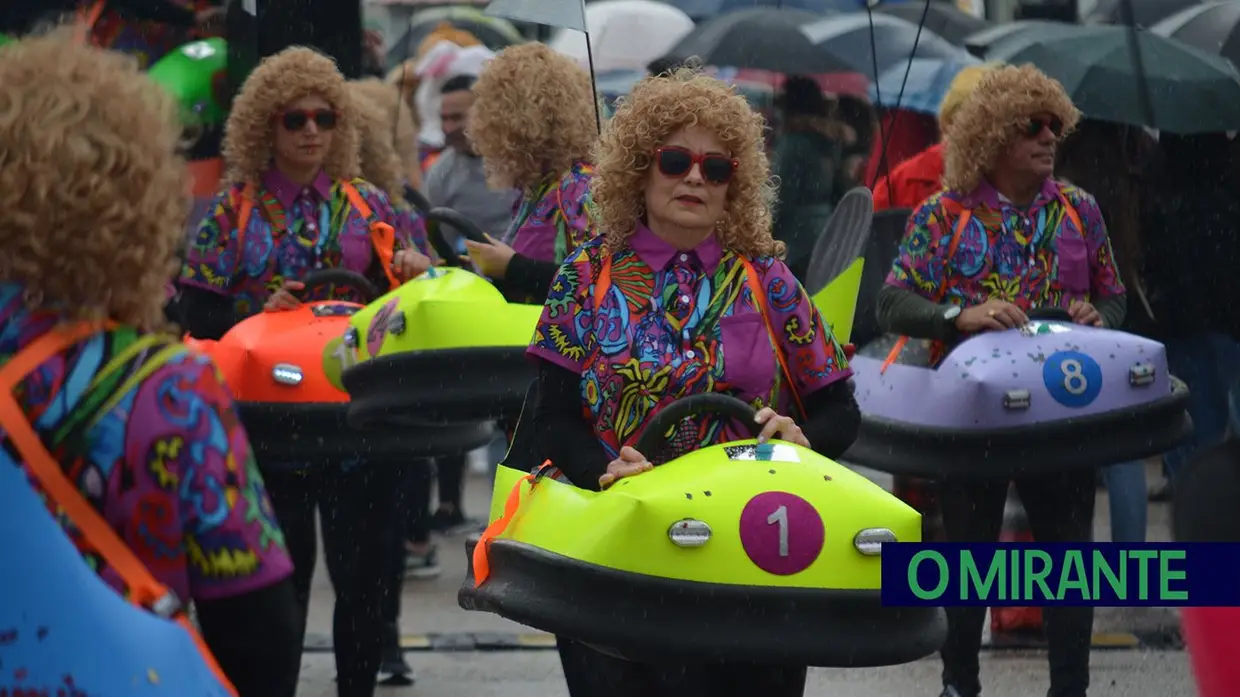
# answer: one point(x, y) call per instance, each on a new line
point(951, 313)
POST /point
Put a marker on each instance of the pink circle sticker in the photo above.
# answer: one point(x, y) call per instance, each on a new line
point(378, 327)
point(781, 532)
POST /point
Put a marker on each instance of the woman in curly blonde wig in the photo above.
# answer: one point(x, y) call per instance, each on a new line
point(1003, 240)
point(295, 203)
point(533, 123)
point(683, 293)
point(94, 203)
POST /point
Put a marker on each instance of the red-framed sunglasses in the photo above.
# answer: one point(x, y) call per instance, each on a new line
point(296, 119)
point(675, 161)
point(1035, 126)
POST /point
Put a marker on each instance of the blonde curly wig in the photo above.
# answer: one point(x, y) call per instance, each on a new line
point(93, 199)
point(994, 115)
point(398, 119)
point(279, 79)
point(533, 115)
point(380, 165)
point(655, 109)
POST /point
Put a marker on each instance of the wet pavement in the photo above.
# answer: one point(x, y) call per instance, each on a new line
point(467, 654)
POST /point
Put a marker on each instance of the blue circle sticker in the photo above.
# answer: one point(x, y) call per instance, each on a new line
point(1073, 378)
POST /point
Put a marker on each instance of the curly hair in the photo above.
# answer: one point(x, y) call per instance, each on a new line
point(655, 109)
point(279, 79)
point(92, 191)
point(994, 115)
point(398, 118)
point(380, 165)
point(533, 115)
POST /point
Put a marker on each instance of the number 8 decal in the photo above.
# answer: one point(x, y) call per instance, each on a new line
point(1072, 378)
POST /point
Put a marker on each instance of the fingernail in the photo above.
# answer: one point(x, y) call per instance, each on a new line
point(761, 439)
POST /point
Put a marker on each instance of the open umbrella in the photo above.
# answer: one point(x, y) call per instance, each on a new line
point(850, 40)
point(927, 83)
point(764, 39)
point(1213, 28)
point(982, 42)
point(1145, 13)
point(701, 10)
point(493, 32)
point(942, 18)
point(1190, 91)
point(625, 34)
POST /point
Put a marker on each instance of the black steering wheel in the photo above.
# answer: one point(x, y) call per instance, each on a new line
point(654, 438)
point(1049, 313)
point(416, 199)
point(339, 277)
point(436, 218)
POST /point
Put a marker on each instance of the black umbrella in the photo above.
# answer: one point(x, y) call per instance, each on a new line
point(850, 39)
point(1189, 91)
point(982, 42)
point(1213, 28)
point(767, 39)
point(942, 18)
point(1145, 13)
point(702, 10)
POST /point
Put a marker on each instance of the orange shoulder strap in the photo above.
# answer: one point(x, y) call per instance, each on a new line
point(602, 286)
point(243, 217)
point(87, 17)
point(382, 236)
point(143, 590)
point(962, 220)
point(1070, 211)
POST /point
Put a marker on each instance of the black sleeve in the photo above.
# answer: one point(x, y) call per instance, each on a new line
point(256, 639)
point(206, 315)
point(528, 277)
point(904, 312)
point(161, 11)
point(832, 419)
point(562, 434)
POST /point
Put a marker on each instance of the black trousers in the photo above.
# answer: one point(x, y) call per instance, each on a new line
point(1060, 509)
point(590, 673)
point(407, 519)
point(350, 502)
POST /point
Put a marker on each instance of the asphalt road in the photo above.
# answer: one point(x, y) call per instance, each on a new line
point(463, 654)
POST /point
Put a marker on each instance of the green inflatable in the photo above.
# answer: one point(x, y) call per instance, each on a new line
point(193, 74)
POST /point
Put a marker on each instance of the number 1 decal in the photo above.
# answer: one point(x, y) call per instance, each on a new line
point(780, 517)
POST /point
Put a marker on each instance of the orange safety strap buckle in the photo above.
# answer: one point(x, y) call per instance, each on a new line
point(143, 589)
point(482, 564)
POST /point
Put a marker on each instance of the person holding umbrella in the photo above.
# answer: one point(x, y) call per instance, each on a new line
point(1002, 239)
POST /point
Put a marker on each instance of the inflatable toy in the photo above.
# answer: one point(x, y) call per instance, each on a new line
point(284, 371)
point(445, 347)
point(195, 75)
point(1049, 396)
point(708, 557)
point(1204, 511)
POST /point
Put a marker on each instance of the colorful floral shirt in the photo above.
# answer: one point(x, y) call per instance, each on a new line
point(153, 442)
point(1034, 257)
point(675, 324)
point(555, 218)
point(291, 231)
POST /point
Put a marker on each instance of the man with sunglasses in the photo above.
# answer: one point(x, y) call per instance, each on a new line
point(1002, 239)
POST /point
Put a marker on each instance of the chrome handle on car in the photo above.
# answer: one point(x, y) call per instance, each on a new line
point(1142, 374)
point(287, 374)
point(689, 533)
point(1016, 400)
point(870, 540)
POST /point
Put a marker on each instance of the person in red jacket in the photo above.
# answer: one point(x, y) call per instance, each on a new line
point(915, 179)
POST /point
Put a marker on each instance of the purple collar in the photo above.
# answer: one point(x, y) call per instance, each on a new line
point(286, 191)
point(657, 254)
point(986, 195)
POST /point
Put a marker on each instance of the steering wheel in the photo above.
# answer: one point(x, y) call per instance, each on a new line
point(340, 277)
point(417, 200)
point(1054, 314)
point(438, 217)
point(654, 438)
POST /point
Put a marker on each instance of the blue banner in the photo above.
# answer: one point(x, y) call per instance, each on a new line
point(1102, 575)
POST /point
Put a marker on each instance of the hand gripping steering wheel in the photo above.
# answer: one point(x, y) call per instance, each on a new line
point(654, 437)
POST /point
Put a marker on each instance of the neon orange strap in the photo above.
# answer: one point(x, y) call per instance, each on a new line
point(965, 216)
point(482, 562)
point(382, 236)
point(143, 590)
point(87, 17)
point(602, 286)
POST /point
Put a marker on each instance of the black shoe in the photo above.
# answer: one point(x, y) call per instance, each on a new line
point(443, 521)
point(1161, 493)
point(394, 671)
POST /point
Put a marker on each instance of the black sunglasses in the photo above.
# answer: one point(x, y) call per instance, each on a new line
point(675, 161)
point(1034, 128)
point(296, 119)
